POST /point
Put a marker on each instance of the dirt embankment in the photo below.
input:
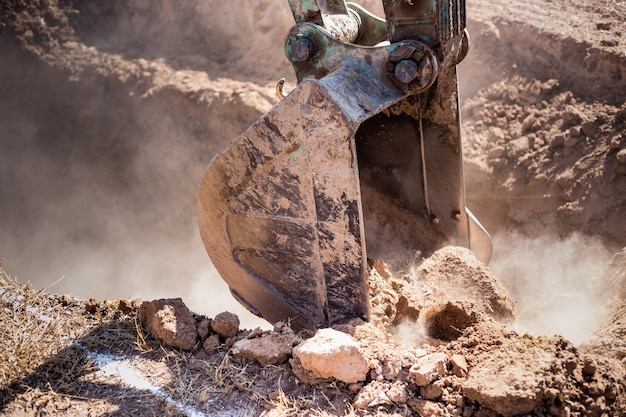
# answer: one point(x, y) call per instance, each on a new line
point(544, 132)
point(110, 113)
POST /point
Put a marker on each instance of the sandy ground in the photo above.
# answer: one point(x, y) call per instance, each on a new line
point(110, 113)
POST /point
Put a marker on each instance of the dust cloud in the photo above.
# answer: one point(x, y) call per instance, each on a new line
point(558, 283)
point(98, 190)
point(410, 333)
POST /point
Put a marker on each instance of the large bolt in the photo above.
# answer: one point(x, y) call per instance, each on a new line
point(406, 71)
point(414, 68)
point(426, 72)
point(302, 49)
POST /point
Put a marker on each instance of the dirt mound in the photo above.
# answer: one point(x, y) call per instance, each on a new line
point(550, 159)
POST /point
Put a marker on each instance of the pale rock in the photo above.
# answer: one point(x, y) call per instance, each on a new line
point(496, 152)
point(425, 408)
point(459, 365)
point(428, 368)
point(511, 390)
point(432, 391)
point(397, 392)
point(170, 321)
point(371, 395)
point(332, 354)
point(304, 375)
point(268, 349)
point(497, 134)
point(518, 147)
point(378, 393)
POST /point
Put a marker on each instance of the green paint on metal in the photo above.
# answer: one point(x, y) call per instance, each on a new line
point(297, 153)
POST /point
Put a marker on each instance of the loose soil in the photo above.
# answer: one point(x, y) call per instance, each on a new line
point(108, 117)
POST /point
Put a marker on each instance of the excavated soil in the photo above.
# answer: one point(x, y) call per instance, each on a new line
point(110, 112)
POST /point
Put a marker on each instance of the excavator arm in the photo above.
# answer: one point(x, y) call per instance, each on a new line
point(363, 159)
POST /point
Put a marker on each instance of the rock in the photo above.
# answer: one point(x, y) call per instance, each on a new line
point(425, 408)
point(616, 143)
point(269, 349)
point(557, 141)
point(571, 117)
point(621, 156)
point(211, 344)
point(621, 115)
point(513, 389)
point(432, 391)
point(397, 392)
point(378, 393)
point(304, 375)
point(498, 163)
point(565, 179)
point(371, 395)
point(225, 324)
point(497, 134)
point(496, 152)
point(428, 368)
point(589, 367)
point(575, 132)
point(518, 147)
point(256, 332)
point(406, 310)
point(590, 129)
point(531, 123)
point(459, 365)
point(332, 354)
point(170, 321)
point(512, 93)
point(549, 86)
point(204, 327)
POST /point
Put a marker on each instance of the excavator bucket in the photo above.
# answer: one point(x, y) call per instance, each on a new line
point(362, 159)
point(282, 216)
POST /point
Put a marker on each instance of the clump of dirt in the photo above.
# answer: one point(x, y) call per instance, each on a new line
point(451, 284)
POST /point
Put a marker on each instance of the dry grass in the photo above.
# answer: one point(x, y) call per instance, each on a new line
point(45, 340)
point(47, 365)
point(35, 326)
